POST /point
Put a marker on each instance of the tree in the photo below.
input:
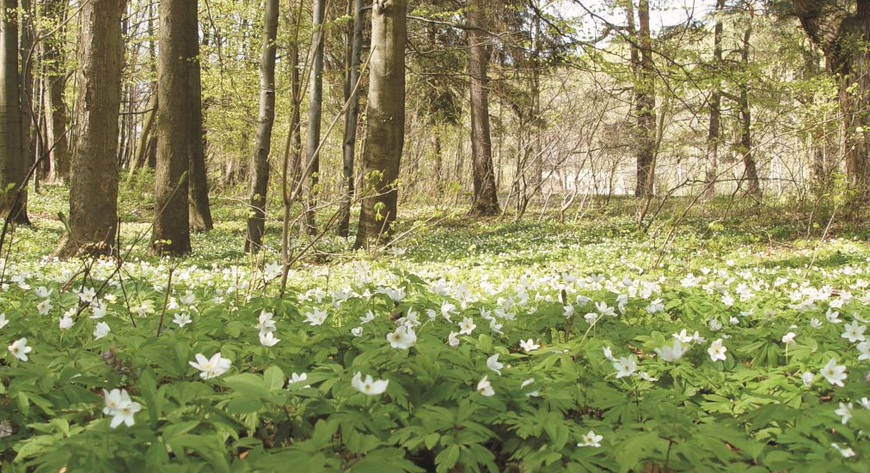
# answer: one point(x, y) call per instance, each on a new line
point(93, 215)
point(485, 195)
point(385, 120)
point(315, 114)
point(354, 53)
point(178, 40)
point(12, 170)
point(715, 129)
point(260, 160)
point(200, 210)
point(750, 173)
point(644, 99)
point(55, 123)
point(842, 35)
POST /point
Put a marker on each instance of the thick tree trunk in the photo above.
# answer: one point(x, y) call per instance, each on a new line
point(842, 36)
point(355, 39)
point(200, 210)
point(12, 170)
point(645, 106)
point(385, 121)
point(55, 123)
point(260, 160)
point(178, 40)
point(93, 215)
point(750, 168)
point(315, 114)
point(714, 133)
point(485, 195)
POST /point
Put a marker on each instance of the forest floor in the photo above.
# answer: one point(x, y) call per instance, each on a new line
point(527, 346)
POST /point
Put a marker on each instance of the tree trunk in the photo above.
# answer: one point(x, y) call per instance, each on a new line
point(355, 34)
point(753, 186)
point(55, 123)
point(485, 195)
point(140, 159)
point(12, 170)
point(315, 113)
point(178, 40)
point(842, 37)
point(25, 91)
point(93, 215)
point(645, 106)
point(385, 121)
point(200, 210)
point(260, 160)
point(714, 133)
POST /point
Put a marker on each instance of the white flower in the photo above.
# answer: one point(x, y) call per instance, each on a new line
point(529, 345)
point(356, 331)
point(845, 451)
point(865, 403)
point(65, 322)
point(120, 407)
point(87, 294)
point(19, 349)
point(608, 353)
point(808, 378)
point(466, 326)
point(211, 367)
point(717, 350)
point(832, 316)
point(316, 318)
point(788, 339)
point(43, 292)
point(673, 353)
point(447, 309)
point(367, 318)
point(603, 309)
point(697, 338)
point(101, 330)
point(181, 319)
point(268, 339)
point(484, 387)
point(452, 340)
point(834, 373)
point(863, 348)
point(98, 310)
point(625, 366)
point(3, 320)
point(369, 386)
point(298, 378)
point(845, 412)
point(854, 332)
point(646, 376)
point(815, 323)
point(715, 325)
point(734, 320)
point(591, 317)
point(591, 440)
point(188, 299)
point(403, 338)
point(265, 323)
point(568, 310)
point(43, 307)
point(527, 382)
point(683, 336)
point(493, 364)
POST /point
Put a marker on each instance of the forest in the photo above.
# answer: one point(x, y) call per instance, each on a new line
point(452, 236)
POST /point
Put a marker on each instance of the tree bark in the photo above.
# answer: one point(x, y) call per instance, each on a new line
point(750, 175)
point(54, 12)
point(645, 106)
point(485, 195)
point(714, 133)
point(178, 39)
point(200, 210)
point(11, 157)
point(385, 121)
point(25, 91)
point(351, 117)
point(93, 215)
point(315, 114)
point(260, 160)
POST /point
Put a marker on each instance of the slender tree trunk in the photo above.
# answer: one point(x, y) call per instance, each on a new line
point(140, 159)
point(200, 210)
point(438, 158)
point(260, 160)
point(25, 91)
point(645, 103)
point(355, 39)
point(178, 40)
point(714, 133)
point(55, 123)
point(12, 170)
point(315, 113)
point(485, 195)
point(385, 121)
point(751, 170)
point(93, 215)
